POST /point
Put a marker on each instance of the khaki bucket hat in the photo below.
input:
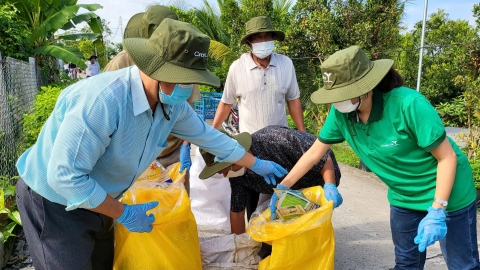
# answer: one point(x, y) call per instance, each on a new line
point(142, 25)
point(176, 52)
point(348, 74)
point(212, 167)
point(260, 25)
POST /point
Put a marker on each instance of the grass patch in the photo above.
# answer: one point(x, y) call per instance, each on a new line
point(344, 154)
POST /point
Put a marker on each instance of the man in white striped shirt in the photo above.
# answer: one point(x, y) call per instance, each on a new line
point(262, 82)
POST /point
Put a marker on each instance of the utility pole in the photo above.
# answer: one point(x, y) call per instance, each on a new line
point(420, 56)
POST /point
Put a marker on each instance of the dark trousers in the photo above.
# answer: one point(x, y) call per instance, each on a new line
point(58, 239)
point(459, 247)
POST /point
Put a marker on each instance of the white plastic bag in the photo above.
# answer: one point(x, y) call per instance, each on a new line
point(209, 198)
point(229, 252)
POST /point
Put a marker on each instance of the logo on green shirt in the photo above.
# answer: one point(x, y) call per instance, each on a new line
point(392, 144)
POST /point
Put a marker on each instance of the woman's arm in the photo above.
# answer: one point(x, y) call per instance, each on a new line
point(328, 172)
point(447, 166)
point(305, 163)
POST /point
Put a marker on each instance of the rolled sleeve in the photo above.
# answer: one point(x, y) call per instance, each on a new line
point(83, 136)
point(92, 199)
point(192, 128)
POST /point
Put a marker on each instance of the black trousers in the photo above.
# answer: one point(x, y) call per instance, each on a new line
point(58, 239)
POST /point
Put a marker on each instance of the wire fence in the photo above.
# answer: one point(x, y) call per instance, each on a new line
point(19, 83)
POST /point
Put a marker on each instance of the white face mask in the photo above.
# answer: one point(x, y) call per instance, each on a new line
point(346, 106)
point(263, 49)
point(232, 174)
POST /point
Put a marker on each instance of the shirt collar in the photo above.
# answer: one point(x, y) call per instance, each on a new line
point(377, 107)
point(139, 99)
point(251, 64)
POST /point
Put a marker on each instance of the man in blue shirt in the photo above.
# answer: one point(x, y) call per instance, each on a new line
point(102, 134)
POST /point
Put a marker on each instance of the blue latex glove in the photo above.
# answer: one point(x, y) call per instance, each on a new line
point(332, 194)
point(432, 228)
point(274, 199)
point(268, 169)
point(185, 160)
point(135, 218)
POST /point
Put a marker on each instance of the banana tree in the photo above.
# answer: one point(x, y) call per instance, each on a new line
point(45, 17)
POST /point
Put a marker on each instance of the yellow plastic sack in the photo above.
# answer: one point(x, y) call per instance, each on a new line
point(173, 242)
point(306, 243)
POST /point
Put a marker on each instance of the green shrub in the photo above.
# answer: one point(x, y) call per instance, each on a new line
point(43, 107)
point(476, 173)
point(453, 113)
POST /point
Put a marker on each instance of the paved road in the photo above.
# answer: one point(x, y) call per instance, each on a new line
point(362, 225)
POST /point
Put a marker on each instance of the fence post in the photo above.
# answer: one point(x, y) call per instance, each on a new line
point(33, 72)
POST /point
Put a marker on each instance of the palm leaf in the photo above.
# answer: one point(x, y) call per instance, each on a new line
point(221, 52)
point(67, 54)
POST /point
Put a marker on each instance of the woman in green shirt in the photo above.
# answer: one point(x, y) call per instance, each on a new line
point(398, 134)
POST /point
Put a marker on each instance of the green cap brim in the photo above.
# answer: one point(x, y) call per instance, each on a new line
point(277, 35)
point(244, 139)
point(157, 68)
point(360, 87)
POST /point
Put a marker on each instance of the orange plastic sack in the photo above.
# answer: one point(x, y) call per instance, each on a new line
point(173, 242)
point(307, 242)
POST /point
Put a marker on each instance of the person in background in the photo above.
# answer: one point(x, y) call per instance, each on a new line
point(93, 68)
point(283, 146)
point(72, 71)
point(264, 83)
point(65, 68)
point(142, 25)
point(102, 134)
point(401, 138)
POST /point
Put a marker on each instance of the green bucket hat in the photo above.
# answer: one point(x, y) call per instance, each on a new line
point(212, 167)
point(176, 52)
point(153, 17)
point(260, 25)
point(142, 25)
point(348, 74)
point(132, 30)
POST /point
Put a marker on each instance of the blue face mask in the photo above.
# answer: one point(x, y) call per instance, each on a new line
point(181, 92)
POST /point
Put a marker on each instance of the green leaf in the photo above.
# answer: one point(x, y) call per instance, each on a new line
point(7, 231)
point(85, 17)
point(2, 238)
point(15, 216)
point(96, 25)
point(2, 199)
point(68, 25)
point(89, 36)
point(59, 19)
point(67, 54)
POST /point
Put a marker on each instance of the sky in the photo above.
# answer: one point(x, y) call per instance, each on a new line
point(114, 9)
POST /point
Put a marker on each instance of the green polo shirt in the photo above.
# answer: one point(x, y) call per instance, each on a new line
point(395, 144)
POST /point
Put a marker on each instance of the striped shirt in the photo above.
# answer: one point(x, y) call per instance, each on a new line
point(102, 135)
point(262, 94)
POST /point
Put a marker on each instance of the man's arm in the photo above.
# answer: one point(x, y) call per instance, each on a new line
point(237, 222)
point(223, 110)
point(295, 109)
